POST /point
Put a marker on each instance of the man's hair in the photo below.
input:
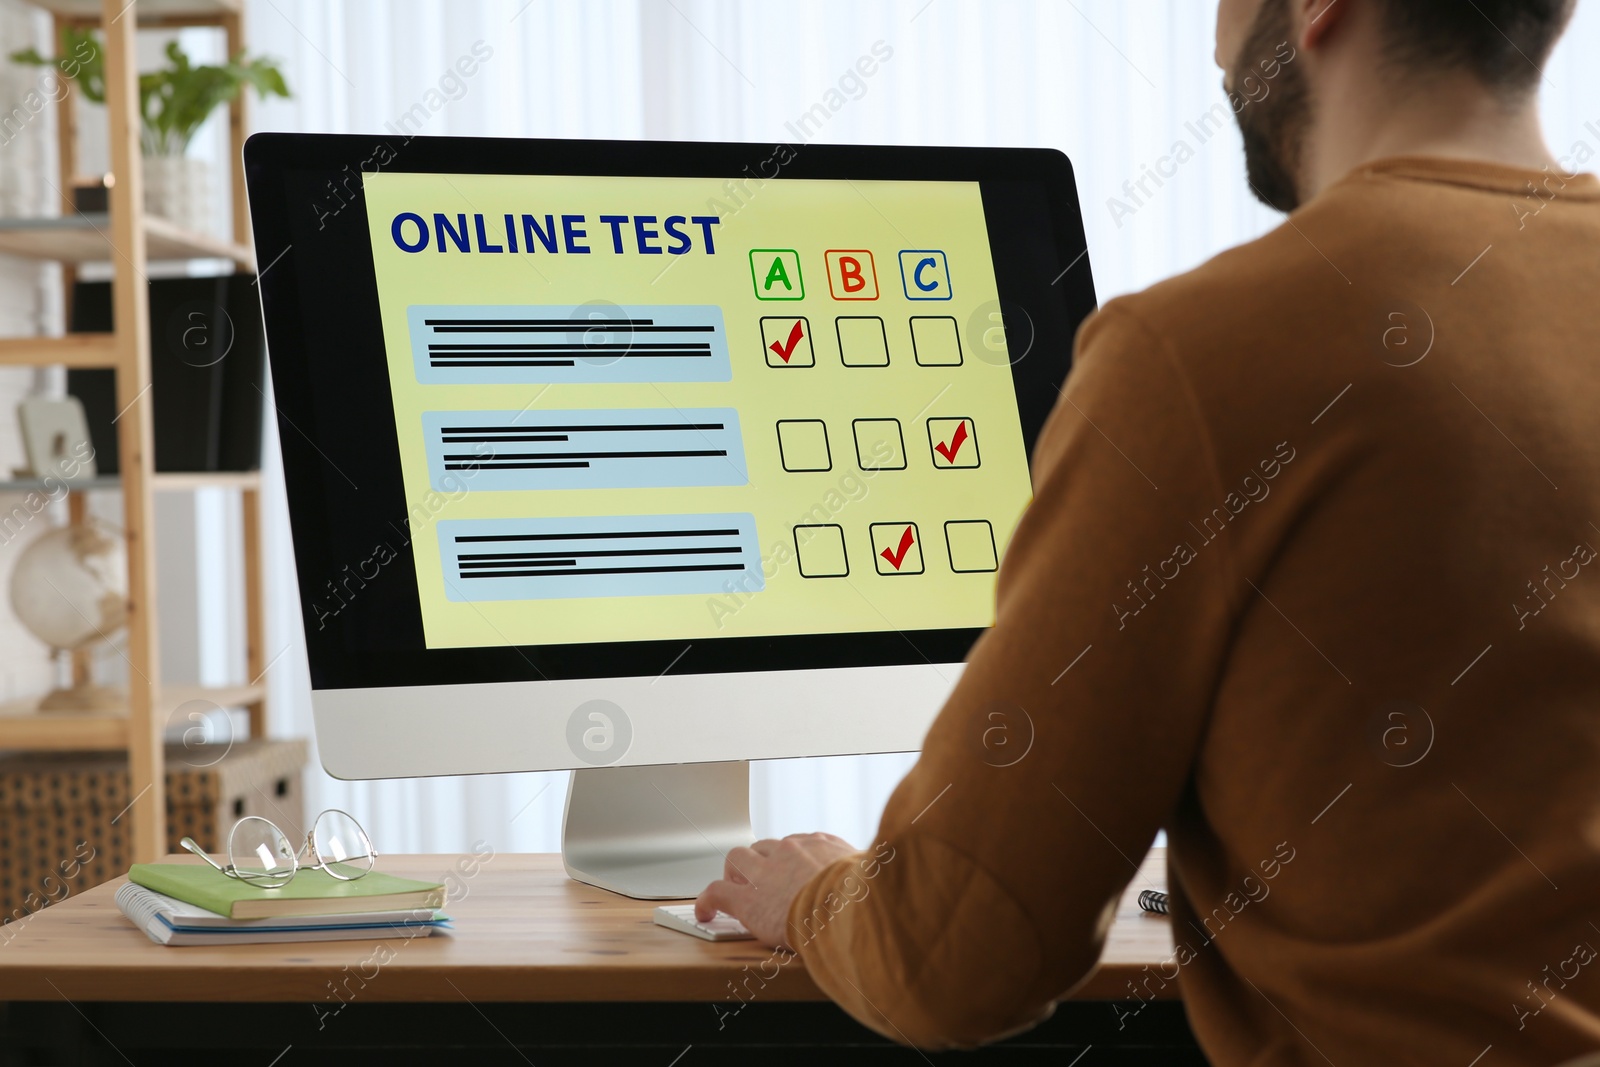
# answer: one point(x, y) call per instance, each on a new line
point(1503, 42)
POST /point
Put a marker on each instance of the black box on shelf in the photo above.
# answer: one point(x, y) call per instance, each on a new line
point(207, 364)
point(92, 196)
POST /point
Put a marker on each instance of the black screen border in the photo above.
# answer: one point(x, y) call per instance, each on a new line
point(319, 298)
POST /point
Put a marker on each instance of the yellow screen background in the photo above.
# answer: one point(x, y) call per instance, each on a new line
point(810, 217)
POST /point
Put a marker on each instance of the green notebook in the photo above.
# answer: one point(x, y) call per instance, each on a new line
point(312, 892)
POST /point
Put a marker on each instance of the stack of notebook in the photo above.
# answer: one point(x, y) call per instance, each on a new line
point(192, 904)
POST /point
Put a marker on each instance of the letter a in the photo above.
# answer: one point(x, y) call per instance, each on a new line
point(777, 272)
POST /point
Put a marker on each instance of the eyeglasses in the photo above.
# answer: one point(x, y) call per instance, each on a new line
point(262, 854)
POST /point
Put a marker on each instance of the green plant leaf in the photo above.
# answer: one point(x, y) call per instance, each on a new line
point(174, 101)
point(83, 64)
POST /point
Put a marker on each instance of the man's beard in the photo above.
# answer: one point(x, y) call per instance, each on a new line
point(1274, 126)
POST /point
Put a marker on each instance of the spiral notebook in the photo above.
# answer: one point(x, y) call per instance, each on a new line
point(168, 921)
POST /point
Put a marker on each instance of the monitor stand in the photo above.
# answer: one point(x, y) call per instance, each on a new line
point(655, 833)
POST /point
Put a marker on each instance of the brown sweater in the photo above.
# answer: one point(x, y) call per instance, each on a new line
point(1310, 581)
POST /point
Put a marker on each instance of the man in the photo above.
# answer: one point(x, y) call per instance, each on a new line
point(1310, 581)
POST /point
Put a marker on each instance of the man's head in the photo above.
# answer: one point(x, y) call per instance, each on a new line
point(1272, 53)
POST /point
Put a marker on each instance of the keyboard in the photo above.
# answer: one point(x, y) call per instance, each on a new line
point(723, 927)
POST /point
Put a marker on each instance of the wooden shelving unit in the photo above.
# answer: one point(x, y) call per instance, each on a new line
point(130, 240)
point(21, 726)
point(86, 238)
point(160, 481)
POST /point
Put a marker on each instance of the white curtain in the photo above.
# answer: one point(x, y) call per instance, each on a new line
point(1112, 84)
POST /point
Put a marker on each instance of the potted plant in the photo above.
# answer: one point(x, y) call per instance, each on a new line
point(174, 102)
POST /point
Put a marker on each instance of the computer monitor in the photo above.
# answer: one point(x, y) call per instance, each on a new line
point(650, 459)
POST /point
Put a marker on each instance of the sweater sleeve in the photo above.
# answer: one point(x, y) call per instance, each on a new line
point(1070, 736)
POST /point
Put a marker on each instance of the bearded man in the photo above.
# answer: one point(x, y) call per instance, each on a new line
point(1310, 583)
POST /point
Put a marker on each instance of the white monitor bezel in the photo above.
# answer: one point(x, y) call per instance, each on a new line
point(707, 718)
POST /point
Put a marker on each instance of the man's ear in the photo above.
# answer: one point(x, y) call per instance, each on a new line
point(1319, 17)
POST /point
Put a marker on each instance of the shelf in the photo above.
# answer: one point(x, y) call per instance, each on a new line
point(86, 238)
point(160, 481)
point(185, 481)
point(78, 485)
point(227, 696)
point(149, 11)
point(22, 726)
point(73, 350)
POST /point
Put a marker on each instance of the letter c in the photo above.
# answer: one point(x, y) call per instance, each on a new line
point(916, 275)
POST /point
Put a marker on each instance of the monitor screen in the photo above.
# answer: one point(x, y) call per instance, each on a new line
point(660, 424)
point(598, 409)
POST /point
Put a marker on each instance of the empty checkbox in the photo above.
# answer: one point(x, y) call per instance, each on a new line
point(820, 551)
point(935, 341)
point(971, 545)
point(803, 445)
point(862, 341)
point(879, 445)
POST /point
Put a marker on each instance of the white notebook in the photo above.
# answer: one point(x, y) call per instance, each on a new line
point(168, 921)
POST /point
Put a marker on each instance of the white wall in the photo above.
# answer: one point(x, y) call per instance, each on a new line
point(1112, 84)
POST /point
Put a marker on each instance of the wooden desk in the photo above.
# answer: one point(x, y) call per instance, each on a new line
point(522, 929)
point(523, 934)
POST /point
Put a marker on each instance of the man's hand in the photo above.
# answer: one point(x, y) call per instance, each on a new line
point(760, 882)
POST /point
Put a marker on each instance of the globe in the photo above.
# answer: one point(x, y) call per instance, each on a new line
point(70, 589)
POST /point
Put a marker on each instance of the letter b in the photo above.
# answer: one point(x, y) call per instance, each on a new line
point(852, 275)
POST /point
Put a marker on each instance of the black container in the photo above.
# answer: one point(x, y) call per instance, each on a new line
point(207, 360)
point(92, 198)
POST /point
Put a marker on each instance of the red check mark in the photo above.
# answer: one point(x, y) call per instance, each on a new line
point(949, 451)
point(897, 556)
point(785, 349)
